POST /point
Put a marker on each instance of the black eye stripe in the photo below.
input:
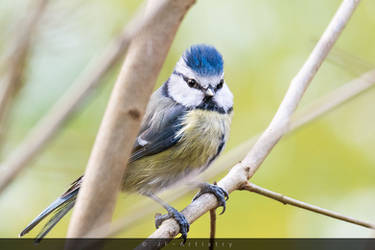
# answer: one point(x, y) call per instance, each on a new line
point(192, 83)
point(189, 82)
point(220, 84)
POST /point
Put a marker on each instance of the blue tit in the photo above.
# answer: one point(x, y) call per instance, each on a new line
point(185, 128)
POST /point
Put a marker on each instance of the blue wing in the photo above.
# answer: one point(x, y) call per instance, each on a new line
point(159, 134)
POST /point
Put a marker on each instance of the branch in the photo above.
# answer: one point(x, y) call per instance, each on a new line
point(287, 200)
point(243, 171)
point(309, 114)
point(14, 63)
point(49, 125)
point(120, 125)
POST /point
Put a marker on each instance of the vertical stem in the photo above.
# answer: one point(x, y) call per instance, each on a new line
point(120, 125)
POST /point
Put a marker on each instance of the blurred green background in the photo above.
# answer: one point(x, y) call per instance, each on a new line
point(329, 163)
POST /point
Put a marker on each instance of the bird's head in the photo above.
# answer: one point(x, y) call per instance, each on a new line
point(198, 80)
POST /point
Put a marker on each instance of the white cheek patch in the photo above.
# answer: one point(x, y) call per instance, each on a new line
point(224, 98)
point(182, 93)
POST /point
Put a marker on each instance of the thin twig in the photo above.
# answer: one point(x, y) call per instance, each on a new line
point(89, 79)
point(343, 59)
point(14, 63)
point(120, 124)
point(244, 170)
point(287, 200)
point(212, 228)
point(340, 96)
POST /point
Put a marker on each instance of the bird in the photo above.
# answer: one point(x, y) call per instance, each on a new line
point(185, 127)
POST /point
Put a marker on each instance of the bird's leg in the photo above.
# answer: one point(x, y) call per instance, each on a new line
point(172, 213)
point(214, 189)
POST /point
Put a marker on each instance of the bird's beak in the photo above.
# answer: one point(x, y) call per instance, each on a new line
point(209, 92)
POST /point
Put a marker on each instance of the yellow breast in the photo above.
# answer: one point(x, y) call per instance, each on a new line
point(202, 134)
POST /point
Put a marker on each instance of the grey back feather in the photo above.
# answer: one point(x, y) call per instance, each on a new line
point(160, 126)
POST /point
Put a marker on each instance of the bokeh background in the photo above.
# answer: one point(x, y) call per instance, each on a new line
point(329, 162)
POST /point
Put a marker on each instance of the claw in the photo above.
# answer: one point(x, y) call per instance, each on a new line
point(221, 194)
point(226, 194)
point(179, 217)
point(182, 222)
point(159, 218)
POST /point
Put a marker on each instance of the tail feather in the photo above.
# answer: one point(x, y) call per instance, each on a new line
point(61, 212)
point(60, 206)
point(54, 205)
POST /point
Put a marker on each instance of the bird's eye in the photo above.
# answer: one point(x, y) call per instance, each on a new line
point(220, 85)
point(192, 83)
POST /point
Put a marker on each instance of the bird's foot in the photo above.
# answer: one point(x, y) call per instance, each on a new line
point(214, 189)
point(179, 217)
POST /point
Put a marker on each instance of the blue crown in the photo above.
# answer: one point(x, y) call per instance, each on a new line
point(204, 59)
